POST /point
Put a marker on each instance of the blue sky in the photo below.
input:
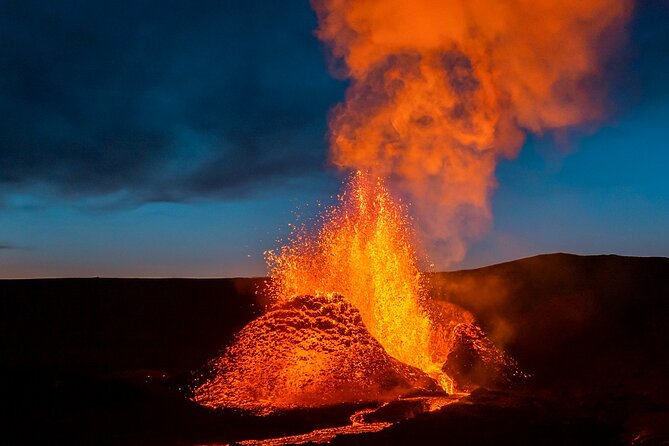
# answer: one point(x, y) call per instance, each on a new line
point(180, 139)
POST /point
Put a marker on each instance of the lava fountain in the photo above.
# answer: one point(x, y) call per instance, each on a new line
point(439, 93)
point(348, 320)
point(364, 251)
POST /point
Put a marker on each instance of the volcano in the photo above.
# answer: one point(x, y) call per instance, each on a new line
point(107, 361)
point(349, 320)
point(307, 351)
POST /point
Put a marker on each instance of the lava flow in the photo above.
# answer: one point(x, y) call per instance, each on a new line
point(348, 321)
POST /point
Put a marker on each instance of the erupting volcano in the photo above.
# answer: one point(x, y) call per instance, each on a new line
point(308, 351)
point(151, 152)
point(365, 251)
point(439, 93)
point(349, 319)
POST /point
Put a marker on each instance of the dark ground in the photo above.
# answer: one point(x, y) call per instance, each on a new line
point(105, 361)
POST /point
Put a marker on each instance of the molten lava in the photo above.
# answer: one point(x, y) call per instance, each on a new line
point(307, 351)
point(364, 251)
point(348, 321)
point(439, 93)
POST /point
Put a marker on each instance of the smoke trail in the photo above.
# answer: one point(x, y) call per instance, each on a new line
point(440, 91)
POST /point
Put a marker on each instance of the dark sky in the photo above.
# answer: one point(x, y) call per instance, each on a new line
point(165, 138)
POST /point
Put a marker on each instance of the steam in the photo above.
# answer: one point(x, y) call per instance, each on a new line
point(440, 91)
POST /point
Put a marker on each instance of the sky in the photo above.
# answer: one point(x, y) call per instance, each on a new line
point(180, 139)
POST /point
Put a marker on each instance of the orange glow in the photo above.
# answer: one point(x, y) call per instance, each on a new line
point(364, 252)
point(307, 351)
point(348, 320)
point(441, 90)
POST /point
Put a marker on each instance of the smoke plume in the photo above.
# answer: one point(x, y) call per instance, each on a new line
point(441, 90)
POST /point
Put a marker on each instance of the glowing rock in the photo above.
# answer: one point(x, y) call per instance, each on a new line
point(307, 351)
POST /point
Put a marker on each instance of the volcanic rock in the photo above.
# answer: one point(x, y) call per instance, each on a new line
point(308, 351)
point(476, 361)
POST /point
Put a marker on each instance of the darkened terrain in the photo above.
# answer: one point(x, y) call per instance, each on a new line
point(105, 361)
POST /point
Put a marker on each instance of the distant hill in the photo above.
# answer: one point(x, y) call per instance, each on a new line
point(113, 325)
point(577, 322)
point(562, 305)
point(543, 309)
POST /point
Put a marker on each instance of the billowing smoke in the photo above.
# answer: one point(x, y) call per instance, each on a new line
point(441, 90)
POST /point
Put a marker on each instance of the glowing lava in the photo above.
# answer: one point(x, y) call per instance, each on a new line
point(348, 321)
point(439, 93)
point(307, 351)
point(364, 251)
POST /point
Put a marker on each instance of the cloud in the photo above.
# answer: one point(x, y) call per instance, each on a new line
point(6, 246)
point(170, 100)
point(175, 100)
point(648, 63)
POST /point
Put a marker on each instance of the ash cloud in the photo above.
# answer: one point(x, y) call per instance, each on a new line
point(441, 92)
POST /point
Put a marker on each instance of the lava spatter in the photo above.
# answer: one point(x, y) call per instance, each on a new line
point(364, 251)
point(349, 319)
point(307, 351)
